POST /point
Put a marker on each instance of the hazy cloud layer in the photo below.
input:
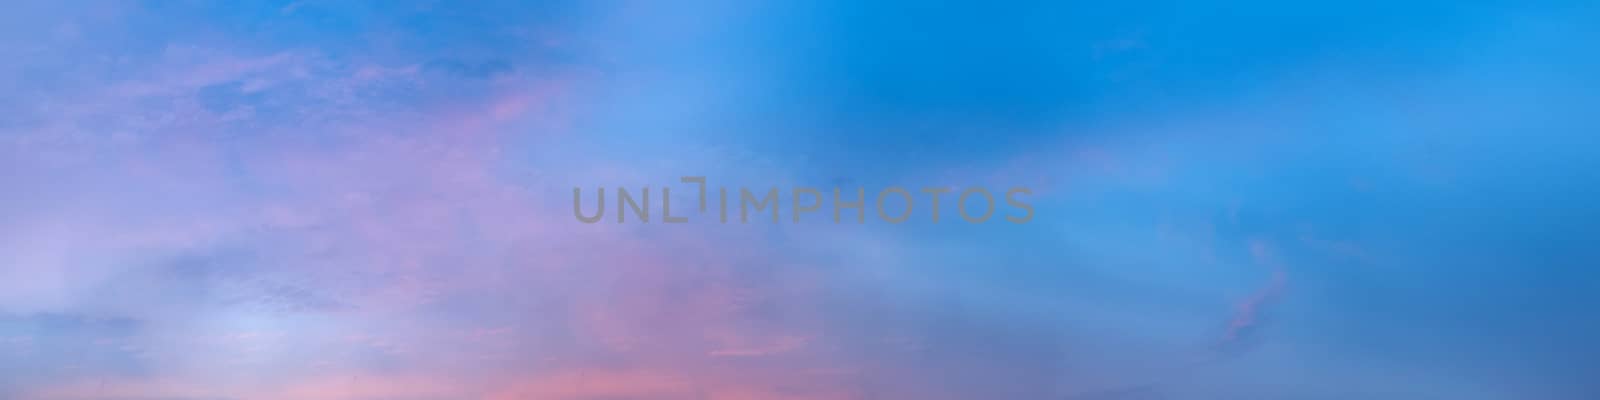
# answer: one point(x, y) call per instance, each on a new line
point(372, 200)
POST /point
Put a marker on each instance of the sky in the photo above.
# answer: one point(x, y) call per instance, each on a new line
point(373, 200)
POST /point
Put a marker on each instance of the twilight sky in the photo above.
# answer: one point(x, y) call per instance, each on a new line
point(372, 200)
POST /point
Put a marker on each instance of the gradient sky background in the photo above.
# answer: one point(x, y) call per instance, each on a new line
point(372, 200)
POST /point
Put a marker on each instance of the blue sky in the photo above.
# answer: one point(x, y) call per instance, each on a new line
point(370, 200)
